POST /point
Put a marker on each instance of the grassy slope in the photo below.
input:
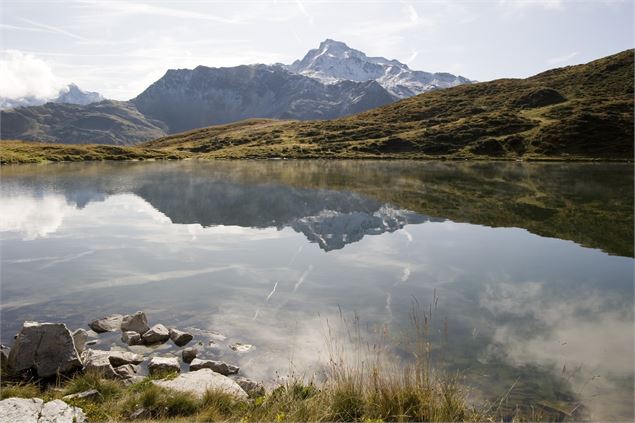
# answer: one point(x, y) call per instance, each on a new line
point(583, 111)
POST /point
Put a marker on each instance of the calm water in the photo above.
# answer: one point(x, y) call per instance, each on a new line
point(529, 266)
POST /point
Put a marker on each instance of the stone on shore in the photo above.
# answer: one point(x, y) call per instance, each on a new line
point(179, 337)
point(110, 323)
point(216, 366)
point(127, 371)
point(80, 336)
point(189, 354)
point(131, 338)
point(202, 380)
point(35, 410)
point(158, 365)
point(156, 335)
point(46, 348)
point(136, 322)
point(119, 358)
point(98, 361)
point(254, 389)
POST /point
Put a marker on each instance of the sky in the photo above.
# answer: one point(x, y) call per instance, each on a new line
point(118, 48)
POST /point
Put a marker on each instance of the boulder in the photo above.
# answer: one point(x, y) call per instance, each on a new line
point(110, 323)
point(80, 336)
point(135, 323)
point(156, 335)
point(131, 338)
point(189, 354)
point(119, 358)
point(46, 348)
point(216, 366)
point(254, 389)
point(126, 371)
point(98, 361)
point(180, 338)
point(200, 381)
point(35, 410)
point(158, 365)
point(4, 356)
point(91, 393)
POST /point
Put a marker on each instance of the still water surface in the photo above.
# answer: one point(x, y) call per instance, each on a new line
point(529, 266)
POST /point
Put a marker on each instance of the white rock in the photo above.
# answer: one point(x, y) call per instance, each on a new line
point(200, 381)
point(82, 395)
point(110, 323)
point(179, 337)
point(47, 348)
point(137, 322)
point(58, 411)
point(217, 366)
point(119, 358)
point(99, 361)
point(34, 410)
point(157, 334)
point(163, 365)
point(240, 347)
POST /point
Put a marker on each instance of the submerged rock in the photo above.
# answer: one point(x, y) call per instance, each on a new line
point(156, 334)
point(131, 338)
point(35, 410)
point(202, 380)
point(110, 323)
point(180, 338)
point(80, 336)
point(254, 389)
point(216, 366)
point(189, 354)
point(239, 347)
point(45, 348)
point(136, 322)
point(158, 365)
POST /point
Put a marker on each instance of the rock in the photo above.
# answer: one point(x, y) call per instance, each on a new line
point(91, 393)
point(216, 366)
point(4, 356)
point(140, 413)
point(180, 338)
point(135, 323)
point(27, 410)
point(98, 361)
point(46, 348)
point(202, 380)
point(159, 365)
point(156, 335)
point(119, 358)
point(239, 347)
point(131, 338)
point(110, 323)
point(189, 354)
point(254, 389)
point(91, 342)
point(126, 371)
point(80, 336)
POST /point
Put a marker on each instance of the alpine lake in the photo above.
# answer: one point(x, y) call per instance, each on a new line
point(523, 272)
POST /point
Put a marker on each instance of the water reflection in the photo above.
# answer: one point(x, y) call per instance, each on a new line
point(266, 252)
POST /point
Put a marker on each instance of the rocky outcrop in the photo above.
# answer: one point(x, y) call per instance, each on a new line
point(136, 322)
point(110, 323)
point(200, 381)
point(216, 366)
point(47, 349)
point(35, 410)
point(156, 335)
point(159, 365)
point(180, 338)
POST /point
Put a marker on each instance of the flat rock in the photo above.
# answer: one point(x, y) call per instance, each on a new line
point(216, 366)
point(131, 338)
point(159, 365)
point(46, 348)
point(189, 354)
point(119, 358)
point(202, 380)
point(80, 336)
point(180, 338)
point(35, 410)
point(137, 322)
point(156, 335)
point(91, 393)
point(110, 323)
point(254, 389)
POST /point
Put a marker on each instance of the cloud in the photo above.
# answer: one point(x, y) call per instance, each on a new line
point(562, 59)
point(545, 4)
point(34, 218)
point(25, 75)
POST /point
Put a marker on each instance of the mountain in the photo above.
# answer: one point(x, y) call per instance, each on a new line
point(185, 99)
point(106, 122)
point(71, 94)
point(334, 61)
point(575, 112)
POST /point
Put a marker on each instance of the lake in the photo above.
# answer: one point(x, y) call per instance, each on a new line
point(525, 270)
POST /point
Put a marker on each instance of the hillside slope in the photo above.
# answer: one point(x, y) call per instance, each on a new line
point(583, 111)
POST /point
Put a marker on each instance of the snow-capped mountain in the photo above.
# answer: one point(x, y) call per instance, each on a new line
point(334, 61)
point(71, 94)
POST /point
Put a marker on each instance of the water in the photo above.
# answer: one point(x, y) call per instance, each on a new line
point(527, 268)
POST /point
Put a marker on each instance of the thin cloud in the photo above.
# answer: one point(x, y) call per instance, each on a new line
point(53, 29)
point(562, 59)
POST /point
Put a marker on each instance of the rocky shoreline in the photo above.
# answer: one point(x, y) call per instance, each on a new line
point(44, 351)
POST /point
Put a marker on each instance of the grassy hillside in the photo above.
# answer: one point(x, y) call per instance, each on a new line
point(583, 111)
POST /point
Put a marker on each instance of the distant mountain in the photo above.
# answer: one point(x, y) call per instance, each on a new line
point(71, 94)
point(106, 122)
point(185, 99)
point(334, 61)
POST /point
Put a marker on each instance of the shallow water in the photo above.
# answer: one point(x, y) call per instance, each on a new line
point(526, 268)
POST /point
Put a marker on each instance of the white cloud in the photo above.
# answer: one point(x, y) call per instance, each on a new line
point(562, 59)
point(25, 75)
point(34, 218)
